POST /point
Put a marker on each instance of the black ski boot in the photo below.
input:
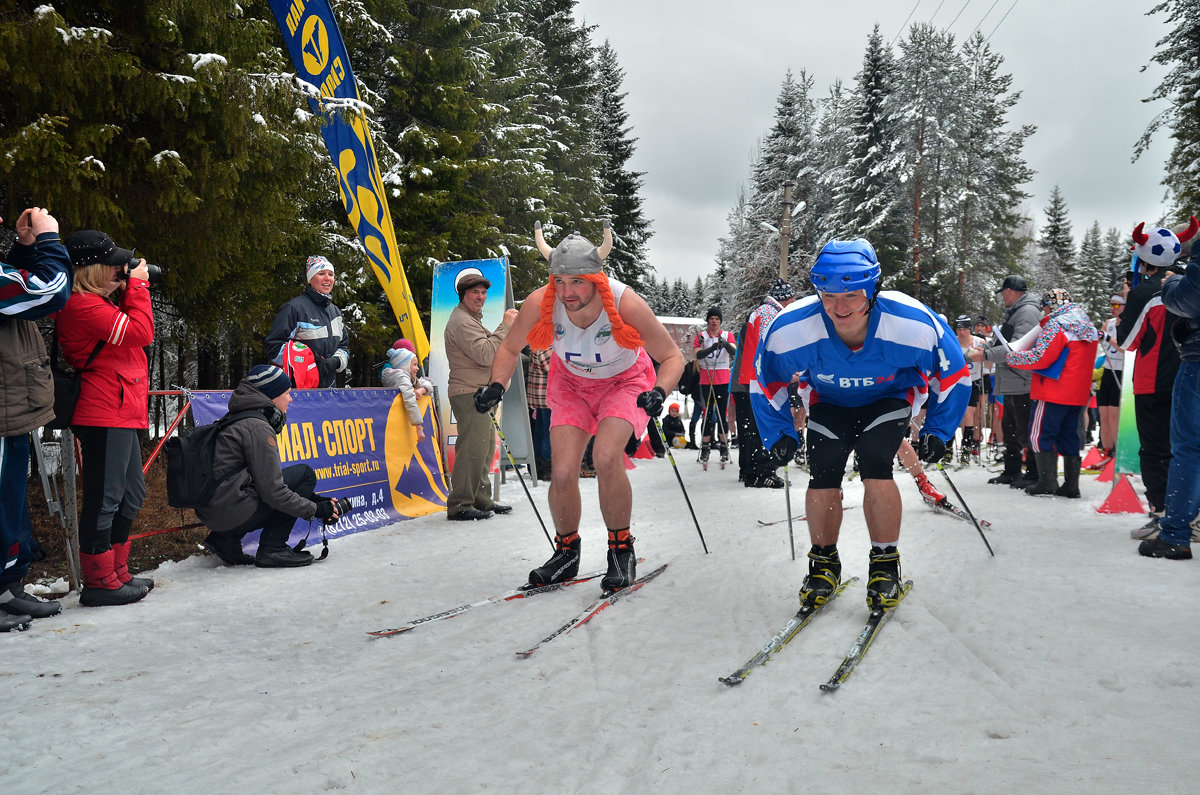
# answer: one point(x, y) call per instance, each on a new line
point(1070, 485)
point(622, 565)
point(824, 574)
point(1031, 473)
point(563, 564)
point(704, 452)
point(883, 578)
point(1047, 471)
point(724, 454)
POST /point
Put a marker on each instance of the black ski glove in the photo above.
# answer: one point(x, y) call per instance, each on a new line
point(488, 397)
point(652, 402)
point(930, 448)
point(794, 399)
point(327, 367)
point(324, 509)
point(783, 450)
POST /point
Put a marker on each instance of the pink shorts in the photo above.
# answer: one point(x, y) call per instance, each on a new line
point(583, 402)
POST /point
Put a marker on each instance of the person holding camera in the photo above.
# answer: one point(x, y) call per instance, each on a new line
point(312, 319)
point(103, 330)
point(35, 282)
point(254, 491)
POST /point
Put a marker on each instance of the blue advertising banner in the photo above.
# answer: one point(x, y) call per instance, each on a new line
point(362, 448)
point(319, 55)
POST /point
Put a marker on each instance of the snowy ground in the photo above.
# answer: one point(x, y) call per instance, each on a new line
point(1064, 664)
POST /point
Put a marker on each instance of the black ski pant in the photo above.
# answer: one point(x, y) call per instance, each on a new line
point(277, 525)
point(1015, 424)
point(752, 458)
point(1153, 413)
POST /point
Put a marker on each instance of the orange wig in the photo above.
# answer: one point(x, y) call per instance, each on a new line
point(542, 334)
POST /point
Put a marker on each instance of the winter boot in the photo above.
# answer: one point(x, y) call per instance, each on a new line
point(622, 565)
point(1006, 477)
point(14, 623)
point(14, 601)
point(704, 452)
point(1157, 548)
point(1070, 485)
point(563, 564)
point(769, 481)
point(1047, 467)
point(824, 574)
point(1031, 473)
point(883, 578)
point(1149, 529)
point(100, 584)
point(274, 552)
point(121, 568)
point(228, 547)
point(928, 493)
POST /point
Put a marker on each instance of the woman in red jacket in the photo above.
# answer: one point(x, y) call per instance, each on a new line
point(102, 331)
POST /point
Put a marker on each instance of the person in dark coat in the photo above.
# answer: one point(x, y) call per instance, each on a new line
point(312, 319)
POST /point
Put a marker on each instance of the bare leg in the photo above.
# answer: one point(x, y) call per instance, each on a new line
point(616, 495)
point(882, 507)
point(568, 444)
point(824, 510)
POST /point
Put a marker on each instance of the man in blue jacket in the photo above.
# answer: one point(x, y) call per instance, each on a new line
point(35, 284)
point(867, 361)
point(1181, 296)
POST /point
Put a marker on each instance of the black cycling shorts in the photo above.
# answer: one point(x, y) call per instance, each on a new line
point(873, 431)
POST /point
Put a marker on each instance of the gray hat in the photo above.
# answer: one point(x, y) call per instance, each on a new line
point(574, 255)
point(1014, 282)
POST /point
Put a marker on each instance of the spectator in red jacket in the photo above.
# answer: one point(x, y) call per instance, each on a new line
point(108, 320)
point(1061, 359)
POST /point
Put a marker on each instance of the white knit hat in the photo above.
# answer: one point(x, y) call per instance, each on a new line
point(314, 265)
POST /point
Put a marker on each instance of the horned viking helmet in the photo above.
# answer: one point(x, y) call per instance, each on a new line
point(575, 255)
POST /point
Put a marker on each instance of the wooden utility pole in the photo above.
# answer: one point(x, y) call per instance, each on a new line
point(785, 230)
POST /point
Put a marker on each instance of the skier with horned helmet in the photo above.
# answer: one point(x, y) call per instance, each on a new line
point(864, 357)
point(601, 383)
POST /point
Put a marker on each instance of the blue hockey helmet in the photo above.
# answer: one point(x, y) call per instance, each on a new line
point(844, 266)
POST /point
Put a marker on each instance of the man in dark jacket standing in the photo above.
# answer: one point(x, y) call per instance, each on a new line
point(312, 319)
point(1022, 312)
point(1181, 296)
point(254, 492)
point(36, 284)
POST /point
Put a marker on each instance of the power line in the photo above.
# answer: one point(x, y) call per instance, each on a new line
point(936, 10)
point(904, 24)
point(959, 14)
point(1001, 22)
point(985, 16)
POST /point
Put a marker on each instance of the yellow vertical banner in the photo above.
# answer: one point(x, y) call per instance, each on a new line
point(321, 60)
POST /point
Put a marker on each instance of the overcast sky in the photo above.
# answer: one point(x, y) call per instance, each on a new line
point(702, 77)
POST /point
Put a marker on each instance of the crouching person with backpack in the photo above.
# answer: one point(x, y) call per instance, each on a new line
point(253, 491)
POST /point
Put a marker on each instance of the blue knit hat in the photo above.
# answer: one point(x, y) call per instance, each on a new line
point(268, 379)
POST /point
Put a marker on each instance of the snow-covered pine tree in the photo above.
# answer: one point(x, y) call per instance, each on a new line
point(992, 172)
point(1054, 263)
point(1093, 280)
point(931, 83)
point(1180, 88)
point(1117, 258)
point(622, 187)
point(868, 201)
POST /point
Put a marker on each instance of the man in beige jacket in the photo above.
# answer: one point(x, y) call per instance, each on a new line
point(470, 349)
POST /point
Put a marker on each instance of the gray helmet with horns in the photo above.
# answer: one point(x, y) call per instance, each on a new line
point(575, 255)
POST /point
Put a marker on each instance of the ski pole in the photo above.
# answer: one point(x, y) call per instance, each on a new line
point(966, 507)
point(787, 496)
point(671, 456)
point(517, 469)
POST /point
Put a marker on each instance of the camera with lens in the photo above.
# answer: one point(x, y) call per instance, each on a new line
point(342, 507)
point(154, 273)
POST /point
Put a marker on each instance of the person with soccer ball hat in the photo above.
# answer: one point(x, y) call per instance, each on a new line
point(864, 356)
point(601, 383)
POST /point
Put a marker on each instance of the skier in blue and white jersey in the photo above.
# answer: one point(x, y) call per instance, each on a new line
point(867, 361)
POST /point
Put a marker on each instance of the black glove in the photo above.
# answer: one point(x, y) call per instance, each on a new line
point(324, 509)
point(488, 397)
point(652, 402)
point(794, 399)
point(783, 450)
point(327, 367)
point(930, 448)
